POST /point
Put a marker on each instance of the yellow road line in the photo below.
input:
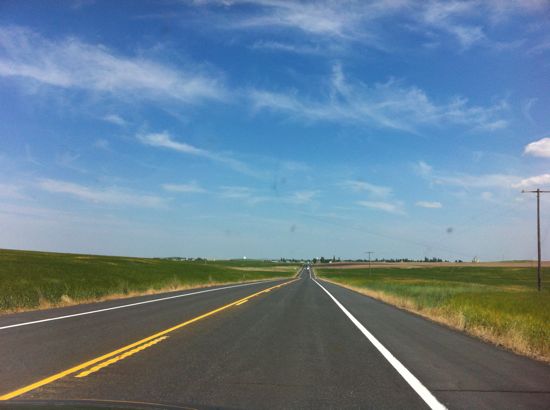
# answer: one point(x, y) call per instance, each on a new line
point(120, 357)
point(240, 303)
point(84, 365)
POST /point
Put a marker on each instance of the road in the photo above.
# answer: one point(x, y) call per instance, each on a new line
point(300, 343)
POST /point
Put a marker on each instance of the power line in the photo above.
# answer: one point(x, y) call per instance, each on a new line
point(394, 238)
point(486, 215)
point(370, 253)
point(539, 273)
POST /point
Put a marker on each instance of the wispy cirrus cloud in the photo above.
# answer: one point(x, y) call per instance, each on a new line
point(423, 168)
point(477, 181)
point(192, 187)
point(372, 189)
point(165, 140)
point(395, 207)
point(465, 180)
point(448, 16)
point(253, 197)
point(485, 181)
point(70, 63)
point(463, 22)
point(429, 204)
point(115, 119)
point(387, 105)
point(502, 181)
point(378, 197)
point(468, 21)
point(245, 194)
point(288, 47)
point(317, 18)
point(540, 148)
point(109, 196)
point(301, 197)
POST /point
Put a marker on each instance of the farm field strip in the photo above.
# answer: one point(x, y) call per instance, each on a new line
point(39, 280)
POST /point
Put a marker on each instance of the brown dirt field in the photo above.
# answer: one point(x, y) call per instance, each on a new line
point(412, 265)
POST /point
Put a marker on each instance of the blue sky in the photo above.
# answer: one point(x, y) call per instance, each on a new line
point(269, 128)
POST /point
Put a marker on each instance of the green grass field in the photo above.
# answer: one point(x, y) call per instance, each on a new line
point(499, 304)
point(32, 280)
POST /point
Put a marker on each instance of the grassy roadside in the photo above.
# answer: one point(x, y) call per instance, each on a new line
point(497, 304)
point(38, 280)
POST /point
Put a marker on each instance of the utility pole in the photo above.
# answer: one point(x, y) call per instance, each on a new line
point(539, 273)
point(370, 269)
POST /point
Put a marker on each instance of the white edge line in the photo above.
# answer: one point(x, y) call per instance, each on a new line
point(417, 386)
point(132, 304)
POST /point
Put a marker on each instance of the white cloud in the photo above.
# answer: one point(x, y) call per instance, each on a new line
point(467, 181)
point(366, 21)
point(484, 181)
point(501, 10)
point(477, 181)
point(315, 18)
point(111, 196)
point(466, 21)
point(245, 194)
point(288, 47)
point(422, 168)
point(115, 119)
point(435, 12)
point(390, 207)
point(428, 204)
point(238, 192)
point(253, 197)
point(363, 186)
point(326, 23)
point(165, 140)
point(447, 16)
point(70, 63)
point(537, 181)
point(302, 197)
point(192, 187)
point(388, 105)
point(540, 148)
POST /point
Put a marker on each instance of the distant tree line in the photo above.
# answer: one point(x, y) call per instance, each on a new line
point(182, 258)
point(322, 259)
point(288, 260)
point(387, 260)
point(334, 259)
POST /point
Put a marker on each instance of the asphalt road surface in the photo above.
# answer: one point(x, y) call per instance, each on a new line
point(293, 344)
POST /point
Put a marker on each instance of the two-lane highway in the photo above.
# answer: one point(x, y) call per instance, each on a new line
point(300, 343)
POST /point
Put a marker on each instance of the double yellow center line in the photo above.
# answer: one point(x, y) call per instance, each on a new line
point(128, 350)
point(120, 357)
